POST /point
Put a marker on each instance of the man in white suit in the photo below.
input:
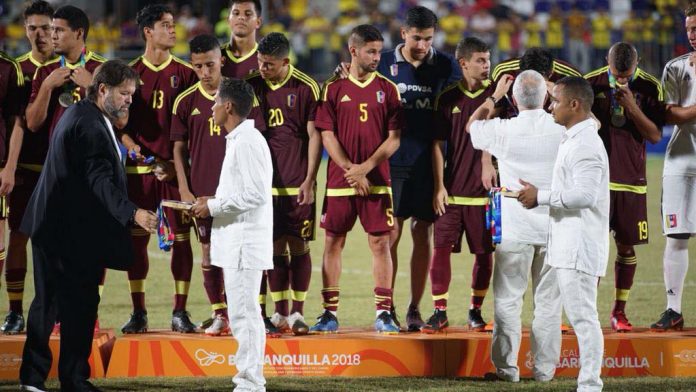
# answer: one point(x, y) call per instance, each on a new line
point(242, 233)
point(578, 244)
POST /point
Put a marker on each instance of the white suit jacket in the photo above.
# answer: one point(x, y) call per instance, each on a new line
point(242, 210)
point(579, 201)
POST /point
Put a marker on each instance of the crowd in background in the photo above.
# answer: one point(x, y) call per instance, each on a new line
point(576, 31)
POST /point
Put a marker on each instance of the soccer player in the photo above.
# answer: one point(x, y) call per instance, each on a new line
point(679, 176)
point(240, 53)
point(360, 119)
point(420, 72)
point(628, 104)
point(288, 100)
point(459, 197)
point(539, 60)
point(27, 151)
point(162, 78)
point(198, 138)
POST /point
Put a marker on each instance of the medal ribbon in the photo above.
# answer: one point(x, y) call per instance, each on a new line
point(165, 237)
point(493, 215)
point(616, 109)
point(70, 86)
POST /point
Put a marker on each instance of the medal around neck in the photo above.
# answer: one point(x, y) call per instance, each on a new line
point(65, 99)
point(618, 120)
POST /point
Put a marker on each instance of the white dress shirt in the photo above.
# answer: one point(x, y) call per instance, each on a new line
point(526, 147)
point(242, 210)
point(113, 138)
point(579, 201)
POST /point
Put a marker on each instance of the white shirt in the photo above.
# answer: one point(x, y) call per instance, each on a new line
point(526, 147)
point(242, 210)
point(679, 84)
point(579, 200)
point(113, 138)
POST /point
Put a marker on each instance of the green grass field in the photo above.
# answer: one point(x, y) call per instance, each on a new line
point(646, 303)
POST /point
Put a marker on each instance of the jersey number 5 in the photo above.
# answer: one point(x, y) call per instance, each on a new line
point(363, 111)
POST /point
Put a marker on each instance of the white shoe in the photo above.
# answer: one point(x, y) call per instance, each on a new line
point(30, 388)
point(297, 324)
point(280, 322)
point(220, 326)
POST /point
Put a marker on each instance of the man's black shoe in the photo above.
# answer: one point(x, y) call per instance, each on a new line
point(137, 323)
point(14, 323)
point(181, 322)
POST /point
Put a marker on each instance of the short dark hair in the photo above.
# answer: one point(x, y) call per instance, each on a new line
point(363, 34)
point(537, 59)
point(239, 92)
point(468, 46)
point(420, 18)
point(149, 15)
point(623, 56)
point(577, 87)
point(203, 43)
point(76, 18)
point(691, 9)
point(274, 44)
point(39, 7)
point(111, 73)
point(257, 5)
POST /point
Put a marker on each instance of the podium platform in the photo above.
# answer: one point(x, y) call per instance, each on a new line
point(361, 352)
point(11, 347)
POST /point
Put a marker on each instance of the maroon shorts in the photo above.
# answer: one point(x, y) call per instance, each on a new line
point(628, 217)
point(143, 191)
point(25, 182)
point(340, 212)
point(204, 226)
point(290, 218)
point(456, 221)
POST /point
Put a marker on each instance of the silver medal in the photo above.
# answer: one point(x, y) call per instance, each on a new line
point(618, 120)
point(65, 99)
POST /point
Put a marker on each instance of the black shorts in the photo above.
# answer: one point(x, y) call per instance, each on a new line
point(412, 191)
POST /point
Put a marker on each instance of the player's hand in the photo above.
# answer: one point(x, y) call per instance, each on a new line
point(362, 186)
point(57, 78)
point(355, 173)
point(306, 195)
point(489, 176)
point(134, 154)
point(7, 181)
point(440, 200)
point(503, 86)
point(187, 196)
point(164, 171)
point(147, 220)
point(81, 77)
point(528, 195)
point(200, 207)
point(624, 97)
point(342, 70)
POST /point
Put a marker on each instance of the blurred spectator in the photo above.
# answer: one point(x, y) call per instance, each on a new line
point(222, 28)
point(601, 37)
point(630, 29)
point(482, 25)
point(555, 38)
point(578, 51)
point(532, 29)
point(648, 44)
point(665, 36)
point(316, 28)
point(452, 26)
point(505, 31)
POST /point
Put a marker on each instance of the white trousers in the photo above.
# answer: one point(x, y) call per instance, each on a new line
point(513, 263)
point(579, 297)
point(244, 312)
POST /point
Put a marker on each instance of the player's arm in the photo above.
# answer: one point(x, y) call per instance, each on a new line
point(306, 195)
point(37, 111)
point(7, 176)
point(644, 125)
point(439, 191)
point(334, 149)
point(180, 164)
point(388, 147)
point(677, 115)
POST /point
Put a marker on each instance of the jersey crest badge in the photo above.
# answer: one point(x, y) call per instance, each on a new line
point(672, 221)
point(174, 81)
point(380, 96)
point(394, 69)
point(292, 99)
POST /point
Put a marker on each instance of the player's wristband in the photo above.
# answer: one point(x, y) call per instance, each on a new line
point(492, 98)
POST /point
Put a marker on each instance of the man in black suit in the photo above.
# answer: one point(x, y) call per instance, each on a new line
point(78, 219)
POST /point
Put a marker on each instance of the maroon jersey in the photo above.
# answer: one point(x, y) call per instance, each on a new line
point(453, 107)
point(34, 144)
point(55, 110)
point(560, 70)
point(239, 67)
point(11, 87)
point(151, 112)
point(284, 110)
point(625, 145)
point(192, 121)
point(361, 114)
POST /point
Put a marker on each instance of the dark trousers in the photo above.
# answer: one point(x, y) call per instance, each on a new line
point(71, 289)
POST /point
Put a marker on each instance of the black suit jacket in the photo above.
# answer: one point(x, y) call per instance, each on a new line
point(80, 207)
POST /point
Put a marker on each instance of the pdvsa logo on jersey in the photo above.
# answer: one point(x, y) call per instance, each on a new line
point(380, 96)
point(292, 100)
point(174, 81)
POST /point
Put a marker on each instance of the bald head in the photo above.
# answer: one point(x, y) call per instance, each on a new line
point(529, 90)
point(623, 57)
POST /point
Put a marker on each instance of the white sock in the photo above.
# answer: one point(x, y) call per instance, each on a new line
point(676, 263)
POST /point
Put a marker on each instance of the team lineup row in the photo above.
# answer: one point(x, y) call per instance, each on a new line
point(402, 113)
